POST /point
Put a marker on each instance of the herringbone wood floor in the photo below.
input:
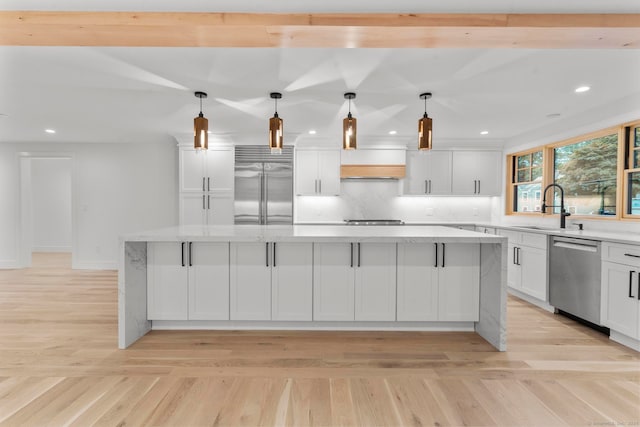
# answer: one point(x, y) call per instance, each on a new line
point(59, 365)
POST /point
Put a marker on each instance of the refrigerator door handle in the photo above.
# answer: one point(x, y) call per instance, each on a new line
point(264, 201)
point(261, 198)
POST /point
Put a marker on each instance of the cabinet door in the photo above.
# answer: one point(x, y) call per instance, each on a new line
point(333, 281)
point(459, 283)
point(533, 268)
point(292, 281)
point(208, 281)
point(193, 208)
point(306, 172)
point(415, 183)
point(514, 272)
point(439, 172)
point(417, 282)
point(219, 209)
point(192, 170)
point(167, 279)
point(375, 285)
point(250, 279)
point(329, 172)
point(620, 311)
point(476, 173)
point(220, 164)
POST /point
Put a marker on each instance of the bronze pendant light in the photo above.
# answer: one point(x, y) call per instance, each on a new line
point(349, 127)
point(276, 127)
point(425, 126)
point(201, 127)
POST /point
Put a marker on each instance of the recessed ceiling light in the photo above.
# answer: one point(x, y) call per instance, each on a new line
point(50, 131)
point(484, 132)
point(392, 132)
point(312, 132)
point(582, 89)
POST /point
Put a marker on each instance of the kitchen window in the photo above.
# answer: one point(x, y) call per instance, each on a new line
point(526, 181)
point(588, 172)
point(632, 171)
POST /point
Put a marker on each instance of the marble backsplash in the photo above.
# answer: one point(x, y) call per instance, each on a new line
point(381, 199)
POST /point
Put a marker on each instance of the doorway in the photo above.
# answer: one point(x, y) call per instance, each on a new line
point(46, 208)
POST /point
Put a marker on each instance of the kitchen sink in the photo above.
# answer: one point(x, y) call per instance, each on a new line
point(534, 227)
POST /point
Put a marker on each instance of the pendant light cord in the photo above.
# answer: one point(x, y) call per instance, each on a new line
point(425, 107)
point(201, 115)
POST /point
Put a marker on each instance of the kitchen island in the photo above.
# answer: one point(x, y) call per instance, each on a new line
point(326, 277)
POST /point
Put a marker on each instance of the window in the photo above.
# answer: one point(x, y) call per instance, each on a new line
point(588, 173)
point(526, 181)
point(632, 171)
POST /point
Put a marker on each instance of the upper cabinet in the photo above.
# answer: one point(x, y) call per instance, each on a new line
point(207, 171)
point(476, 173)
point(428, 173)
point(317, 172)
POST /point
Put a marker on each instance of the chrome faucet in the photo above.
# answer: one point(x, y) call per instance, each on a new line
point(563, 212)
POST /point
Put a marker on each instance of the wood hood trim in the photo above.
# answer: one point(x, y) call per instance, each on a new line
point(372, 171)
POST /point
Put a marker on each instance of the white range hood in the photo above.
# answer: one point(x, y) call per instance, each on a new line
point(388, 163)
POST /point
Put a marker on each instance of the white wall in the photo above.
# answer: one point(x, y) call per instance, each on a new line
point(51, 204)
point(381, 199)
point(117, 189)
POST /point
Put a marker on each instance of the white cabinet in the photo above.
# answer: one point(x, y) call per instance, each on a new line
point(354, 281)
point(292, 281)
point(206, 186)
point(207, 171)
point(428, 173)
point(476, 173)
point(271, 281)
point(527, 263)
point(438, 281)
point(317, 172)
point(206, 209)
point(187, 281)
point(620, 309)
point(375, 281)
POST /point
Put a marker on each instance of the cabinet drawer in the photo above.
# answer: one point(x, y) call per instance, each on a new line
point(534, 240)
point(623, 254)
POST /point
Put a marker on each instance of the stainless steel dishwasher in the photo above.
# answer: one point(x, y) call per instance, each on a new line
point(574, 277)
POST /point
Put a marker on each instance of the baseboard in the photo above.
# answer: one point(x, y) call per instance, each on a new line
point(51, 249)
point(8, 264)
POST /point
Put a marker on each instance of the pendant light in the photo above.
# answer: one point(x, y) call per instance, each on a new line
point(425, 126)
point(200, 127)
point(276, 127)
point(349, 127)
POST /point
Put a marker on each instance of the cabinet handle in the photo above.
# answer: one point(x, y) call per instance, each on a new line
point(203, 184)
point(266, 251)
point(274, 254)
point(315, 184)
point(443, 254)
point(638, 286)
point(208, 184)
point(320, 186)
point(351, 264)
point(630, 284)
point(190, 254)
point(514, 256)
point(358, 254)
point(429, 186)
point(436, 264)
point(475, 186)
point(426, 187)
point(479, 188)
point(208, 202)
point(632, 255)
point(182, 257)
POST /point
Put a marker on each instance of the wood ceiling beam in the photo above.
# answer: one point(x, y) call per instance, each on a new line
point(187, 29)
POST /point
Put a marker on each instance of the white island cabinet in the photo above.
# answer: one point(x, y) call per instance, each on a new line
point(312, 277)
point(188, 281)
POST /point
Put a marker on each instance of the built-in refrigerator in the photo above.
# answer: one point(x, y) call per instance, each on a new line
point(263, 185)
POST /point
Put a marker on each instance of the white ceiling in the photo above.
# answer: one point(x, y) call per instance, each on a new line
point(146, 94)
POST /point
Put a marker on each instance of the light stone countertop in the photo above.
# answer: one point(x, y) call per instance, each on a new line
point(631, 238)
point(313, 233)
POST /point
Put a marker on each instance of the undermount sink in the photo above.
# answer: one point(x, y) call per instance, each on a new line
point(534, 227)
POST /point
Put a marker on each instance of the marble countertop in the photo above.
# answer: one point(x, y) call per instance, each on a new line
point(313, 233)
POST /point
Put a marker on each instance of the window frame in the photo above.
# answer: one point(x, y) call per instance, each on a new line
point(624, 161)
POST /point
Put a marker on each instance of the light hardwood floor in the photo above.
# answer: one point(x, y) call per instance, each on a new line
point(59, 365)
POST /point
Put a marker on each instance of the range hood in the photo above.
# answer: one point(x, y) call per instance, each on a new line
point(373, 163)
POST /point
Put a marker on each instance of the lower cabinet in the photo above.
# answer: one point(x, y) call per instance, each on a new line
point(527, 263)
point(354, 281)
point(187, 281)
point(438, 281)
point(271, 281)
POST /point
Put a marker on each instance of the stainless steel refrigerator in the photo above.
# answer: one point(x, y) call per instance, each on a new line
point(263, 185)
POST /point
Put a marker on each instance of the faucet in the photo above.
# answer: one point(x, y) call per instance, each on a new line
point(563, 212)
